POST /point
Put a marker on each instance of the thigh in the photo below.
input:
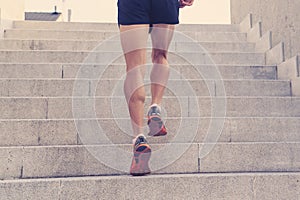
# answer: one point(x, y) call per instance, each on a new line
point(161, 36)
point(134, 44)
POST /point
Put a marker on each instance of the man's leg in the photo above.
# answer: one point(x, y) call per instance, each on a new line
point(161, 36)
point(134, 41)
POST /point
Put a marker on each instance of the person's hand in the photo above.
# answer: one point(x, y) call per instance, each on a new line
point(184, 3)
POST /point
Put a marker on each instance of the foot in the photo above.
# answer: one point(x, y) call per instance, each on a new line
point(141, 157)
point(155, 123)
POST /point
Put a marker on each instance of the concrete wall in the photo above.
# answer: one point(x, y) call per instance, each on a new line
point(281, 17)
point(10, 10)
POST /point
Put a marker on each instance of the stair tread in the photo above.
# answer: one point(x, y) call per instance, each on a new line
point(163, 186)
point(156, 176)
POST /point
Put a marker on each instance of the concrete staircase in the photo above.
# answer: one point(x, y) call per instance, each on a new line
point(43, 155)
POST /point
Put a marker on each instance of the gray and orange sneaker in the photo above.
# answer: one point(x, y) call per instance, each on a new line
point(155, 123)
point(141, 157)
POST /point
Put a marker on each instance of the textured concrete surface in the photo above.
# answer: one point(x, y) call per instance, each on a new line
point(66, 161)
point(185, 71)
point(264, 43)
point(69, 161)
point(254, 34)
point(30, 71)
point(53, 34)
point(117, 57)
point(264, 157)
point(181, 106)
point(246, 23)
point(277, 16)
point(252, 88)
point(226, 46)
point(118, 131)
point(64, 26)
point(30, 189)
point(296, 86)
point(288, 69)
point(23, 108)
point(203, 186)
point(240, 107)
point(83, 45)
point(37, 132)
point(11, 162)
point(114, 26)
point(103, 35)
point(275, 56)
point(114, 87)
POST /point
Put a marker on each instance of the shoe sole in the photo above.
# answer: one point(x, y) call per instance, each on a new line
point(156, 127)
point(141, 156)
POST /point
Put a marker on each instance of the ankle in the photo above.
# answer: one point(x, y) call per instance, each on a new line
point(155, 105)
point(134, 140)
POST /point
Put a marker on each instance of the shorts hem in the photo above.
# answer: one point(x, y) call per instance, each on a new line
point(141, 23)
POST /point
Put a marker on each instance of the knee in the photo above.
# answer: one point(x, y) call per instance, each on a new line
point(159, 56)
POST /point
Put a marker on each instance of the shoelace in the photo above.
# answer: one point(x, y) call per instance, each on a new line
point(140, 140)
point(154, 111)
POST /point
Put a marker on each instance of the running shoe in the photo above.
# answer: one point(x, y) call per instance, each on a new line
point(155, 123)
point(141, 157)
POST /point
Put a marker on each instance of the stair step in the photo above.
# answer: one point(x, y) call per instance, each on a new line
point(176, 186)
point(114, 35)
point(64, 25)
point(177, 71)
point(248, 157)
point(63, 161)
point(212, 36)
point(62, 35)
point(208, 27)
point(93, 160)
point(114, 26)
point(108, 57)
point(215, 46)
point(107, 107)
point(36, 71)
point(80, 45)
point(63, 132)
point(115, 87)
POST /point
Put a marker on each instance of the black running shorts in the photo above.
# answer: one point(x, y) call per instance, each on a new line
point(148, 12)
